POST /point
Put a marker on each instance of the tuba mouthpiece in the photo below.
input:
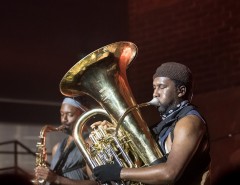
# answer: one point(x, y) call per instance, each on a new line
point(154, 102)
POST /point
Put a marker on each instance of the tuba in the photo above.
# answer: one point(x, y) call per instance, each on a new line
point(102, 76)
point(41, 153)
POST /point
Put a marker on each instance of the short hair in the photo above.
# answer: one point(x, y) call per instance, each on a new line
point(177, 72)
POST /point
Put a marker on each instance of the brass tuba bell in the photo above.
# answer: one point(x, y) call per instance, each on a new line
point(102, 75)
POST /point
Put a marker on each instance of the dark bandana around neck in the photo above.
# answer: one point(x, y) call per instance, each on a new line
point(178, 107)
point(169, 117)
point(162, 129)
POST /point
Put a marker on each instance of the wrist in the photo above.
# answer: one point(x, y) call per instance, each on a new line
point(123, 174)
point(57, 180)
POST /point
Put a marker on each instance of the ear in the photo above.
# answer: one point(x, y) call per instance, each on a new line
point(181, 91)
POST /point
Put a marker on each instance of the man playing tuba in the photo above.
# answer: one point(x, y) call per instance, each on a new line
point(182, 135)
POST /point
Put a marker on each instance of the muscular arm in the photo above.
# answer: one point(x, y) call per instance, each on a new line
point(187, 136)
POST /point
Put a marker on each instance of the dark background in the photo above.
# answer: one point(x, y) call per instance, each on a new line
point(41, 41)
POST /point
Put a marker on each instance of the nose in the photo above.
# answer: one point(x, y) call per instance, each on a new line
point(155, 93)
point(64, 118)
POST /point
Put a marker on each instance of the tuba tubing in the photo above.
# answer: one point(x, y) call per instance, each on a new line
point(153, 102)
point(80, 142)
point(78, 137)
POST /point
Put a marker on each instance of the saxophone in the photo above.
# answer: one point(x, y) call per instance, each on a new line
point(41, 153)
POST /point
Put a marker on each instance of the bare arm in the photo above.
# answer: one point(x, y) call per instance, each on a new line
point(50, 176)
point(187, 136)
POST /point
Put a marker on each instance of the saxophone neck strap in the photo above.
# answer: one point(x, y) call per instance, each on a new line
point(63, 156)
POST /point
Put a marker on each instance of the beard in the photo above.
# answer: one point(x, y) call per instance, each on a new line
point(162, 109)
point(165, 108)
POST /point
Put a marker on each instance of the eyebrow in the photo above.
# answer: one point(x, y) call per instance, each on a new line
point(159, 83)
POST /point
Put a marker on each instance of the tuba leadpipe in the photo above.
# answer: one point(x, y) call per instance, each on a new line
point(102, 76)
point(153, 102)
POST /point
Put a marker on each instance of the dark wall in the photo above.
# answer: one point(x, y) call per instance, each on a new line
point(222, 112)
point(201, 34)
point(41, 41)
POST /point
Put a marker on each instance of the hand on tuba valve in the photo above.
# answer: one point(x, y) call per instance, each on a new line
point(105, 125)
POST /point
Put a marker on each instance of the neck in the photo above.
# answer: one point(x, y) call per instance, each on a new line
point(175, 108)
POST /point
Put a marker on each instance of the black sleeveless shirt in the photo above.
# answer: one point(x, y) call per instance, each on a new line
point(200, 162)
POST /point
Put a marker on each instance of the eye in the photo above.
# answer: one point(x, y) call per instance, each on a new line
point(70, 114)
point(158, 87)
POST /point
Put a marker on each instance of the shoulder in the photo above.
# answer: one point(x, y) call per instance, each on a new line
point(196, 113)
point(188, 134)
point(54, 149)
point(190, 110)
point(190, 125)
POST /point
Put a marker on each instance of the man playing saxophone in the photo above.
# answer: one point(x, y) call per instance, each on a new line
point(67, 165)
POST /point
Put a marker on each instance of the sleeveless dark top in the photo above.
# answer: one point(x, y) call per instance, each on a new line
point(68, 163)
point(200, 162)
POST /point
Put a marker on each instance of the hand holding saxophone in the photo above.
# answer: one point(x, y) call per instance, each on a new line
point(45, 174)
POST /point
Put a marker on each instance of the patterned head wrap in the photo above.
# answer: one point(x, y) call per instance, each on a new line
point(74, 103)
